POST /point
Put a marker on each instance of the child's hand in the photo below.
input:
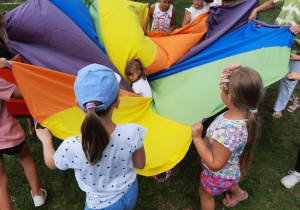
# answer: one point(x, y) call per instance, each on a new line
point(43, 134)
point(295, 29)
point(293, 76)
point(3, 63)
point(197, 130)
point(253, 15)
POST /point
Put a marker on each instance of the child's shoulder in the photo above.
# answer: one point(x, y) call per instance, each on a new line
point(131, 129)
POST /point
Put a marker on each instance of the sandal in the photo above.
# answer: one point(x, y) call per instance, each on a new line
point(294, 98)
point(277, 114)
point(233, 200)
point(295, 106)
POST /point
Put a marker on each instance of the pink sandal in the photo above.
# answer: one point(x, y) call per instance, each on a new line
point(233, 200)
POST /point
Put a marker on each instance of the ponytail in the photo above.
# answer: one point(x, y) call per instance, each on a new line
point(246, 157)
point(95, 137)
point(246, 89)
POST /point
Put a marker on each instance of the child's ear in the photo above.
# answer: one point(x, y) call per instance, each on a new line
point(117, 102)
point(229, 97)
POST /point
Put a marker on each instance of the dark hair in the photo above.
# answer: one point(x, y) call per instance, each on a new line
point(133, 65)
point(226, 3)
point(246, 89)
point(95, 138)
point(3, 34)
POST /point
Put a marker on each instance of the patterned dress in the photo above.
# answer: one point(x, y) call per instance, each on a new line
point(161, 20)
point(233, 135)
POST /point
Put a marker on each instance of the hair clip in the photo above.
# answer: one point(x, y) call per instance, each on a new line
point(224, 77)
point(253, 110)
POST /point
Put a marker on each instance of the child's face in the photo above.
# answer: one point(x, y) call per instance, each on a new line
point(164, 5)
point(198, 4)
point(134, 75)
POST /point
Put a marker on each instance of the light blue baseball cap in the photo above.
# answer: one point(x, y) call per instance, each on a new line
point(96, 82)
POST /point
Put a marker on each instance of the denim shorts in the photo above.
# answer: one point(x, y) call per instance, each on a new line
point(127, 201)
point(12, 151)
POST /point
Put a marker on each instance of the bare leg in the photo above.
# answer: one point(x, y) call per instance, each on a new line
point(207, 200)
point(31, 126)
point(30, 169)
point(5, 199)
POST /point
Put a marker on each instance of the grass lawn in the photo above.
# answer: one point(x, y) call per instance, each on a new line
point(274, 155)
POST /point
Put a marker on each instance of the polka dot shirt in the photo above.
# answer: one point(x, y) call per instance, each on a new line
point(108, 180)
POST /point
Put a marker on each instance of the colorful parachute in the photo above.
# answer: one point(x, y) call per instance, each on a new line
point(66, 35)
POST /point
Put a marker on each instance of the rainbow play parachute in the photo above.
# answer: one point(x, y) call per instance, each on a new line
point(58, 38)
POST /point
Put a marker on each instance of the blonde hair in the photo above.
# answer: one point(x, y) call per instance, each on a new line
point(246, 89)
point(135, 65)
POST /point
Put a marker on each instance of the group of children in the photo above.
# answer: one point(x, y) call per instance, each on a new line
point(163, 14)
point(105, 154)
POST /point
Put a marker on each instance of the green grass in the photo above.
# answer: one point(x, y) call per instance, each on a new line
point(274, 155)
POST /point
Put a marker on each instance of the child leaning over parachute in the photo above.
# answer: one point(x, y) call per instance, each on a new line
point(135, 72)
point(227, 148)
point(105, 155)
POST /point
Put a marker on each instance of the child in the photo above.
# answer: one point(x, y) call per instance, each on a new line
point(135, 72)
point(293, 178)
point(164, 17)
point(5, 54)
point(228, 145)
point(199, 7)
point(104, 155)
point(12, 142)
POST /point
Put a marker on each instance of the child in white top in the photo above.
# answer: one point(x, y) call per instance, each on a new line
point(105, 154)
point(199, 7)
point(135, 72)
point(227, 149)
point(164, 17)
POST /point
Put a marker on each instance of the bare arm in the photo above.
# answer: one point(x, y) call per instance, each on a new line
point(17, 93)
point(173, 22)
point(214, 160)
point(46, 138)
point(264, 7)
point(148, 19)
point(186, 19)
point(139, 158)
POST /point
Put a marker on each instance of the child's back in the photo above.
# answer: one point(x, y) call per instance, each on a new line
point(109, 179)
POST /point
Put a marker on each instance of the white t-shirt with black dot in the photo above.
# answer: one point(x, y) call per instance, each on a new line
point(108, 180)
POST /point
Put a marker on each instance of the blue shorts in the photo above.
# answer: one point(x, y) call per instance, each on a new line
point(127, 201)
point(12, 151)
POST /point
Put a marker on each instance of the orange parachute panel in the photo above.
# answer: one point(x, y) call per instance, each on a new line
point(171, 48)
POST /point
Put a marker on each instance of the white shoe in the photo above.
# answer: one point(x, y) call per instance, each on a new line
point(39, 200)
point(290, 180)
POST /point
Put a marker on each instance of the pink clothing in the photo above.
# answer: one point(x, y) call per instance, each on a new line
point(161, 20)
point(11, 132)
point(214, 184)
